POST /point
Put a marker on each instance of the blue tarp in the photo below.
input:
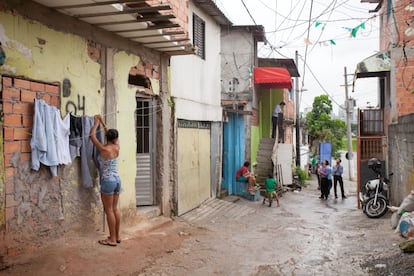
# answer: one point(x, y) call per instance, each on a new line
point(325, 152)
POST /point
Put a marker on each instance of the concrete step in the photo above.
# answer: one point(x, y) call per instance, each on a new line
point(148, 212)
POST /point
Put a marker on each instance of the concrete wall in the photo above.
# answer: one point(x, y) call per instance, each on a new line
point(401, 158)
point(237, 61)
point(195, 85)
point(33, 207)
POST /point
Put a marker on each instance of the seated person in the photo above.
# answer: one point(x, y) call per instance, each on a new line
point(244, 175)
point(271, 188)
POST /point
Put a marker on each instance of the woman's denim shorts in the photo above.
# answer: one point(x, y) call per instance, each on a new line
point(111, 185)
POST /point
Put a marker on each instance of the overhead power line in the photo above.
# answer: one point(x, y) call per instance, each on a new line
point(249, 12)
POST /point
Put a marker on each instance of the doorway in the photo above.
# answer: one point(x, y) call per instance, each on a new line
point(145, 154)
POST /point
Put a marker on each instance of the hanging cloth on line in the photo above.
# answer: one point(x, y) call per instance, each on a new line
point(50, 137)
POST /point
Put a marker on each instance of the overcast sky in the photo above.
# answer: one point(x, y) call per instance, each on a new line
point(328, 47)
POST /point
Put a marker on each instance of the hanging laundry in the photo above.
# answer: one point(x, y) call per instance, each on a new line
point(75, 137)
point(49, 135)
point(81, 146)
point(89, 153)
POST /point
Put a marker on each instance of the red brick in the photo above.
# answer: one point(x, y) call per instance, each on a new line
point(37, 86)
point(54, 100)
point(10, 201)
point(8, 133)
point(10, 213)
point(27, 121)
point(24, 157)
point(12, 120)
point(9, 172)
point(11, 94)
point(7, 107)
point(22, 133)
point(7, 157)
point(9, 185)
point(10, 147)
point(52, 88)
point(6, 81)
point(46, 98)
point(25, 146)
point(28, 96)
point(19, 83)
point(23, 108)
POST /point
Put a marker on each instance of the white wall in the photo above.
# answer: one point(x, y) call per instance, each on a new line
point(195, 82)
point(237, 59)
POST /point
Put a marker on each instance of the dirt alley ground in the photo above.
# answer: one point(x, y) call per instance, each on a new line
point(304, 236)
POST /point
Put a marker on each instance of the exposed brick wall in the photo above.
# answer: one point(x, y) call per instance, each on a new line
point(404, 81)
point(180, 9)
point(26, 194)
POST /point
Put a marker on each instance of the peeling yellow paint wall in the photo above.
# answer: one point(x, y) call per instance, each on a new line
point(37, 52)
point(125, 124)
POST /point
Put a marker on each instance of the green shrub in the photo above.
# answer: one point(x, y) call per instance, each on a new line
point(302, 175)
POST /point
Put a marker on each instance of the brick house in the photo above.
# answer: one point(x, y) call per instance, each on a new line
point(386, 132)
point(85, 59)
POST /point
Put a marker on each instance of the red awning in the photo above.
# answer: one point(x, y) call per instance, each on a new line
point(272, 77)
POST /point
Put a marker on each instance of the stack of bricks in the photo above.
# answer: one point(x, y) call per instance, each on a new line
point(18, 109)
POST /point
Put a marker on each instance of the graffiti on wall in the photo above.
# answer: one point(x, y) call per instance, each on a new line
point(71, 106)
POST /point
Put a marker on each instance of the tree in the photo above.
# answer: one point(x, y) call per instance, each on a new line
point(321, 128)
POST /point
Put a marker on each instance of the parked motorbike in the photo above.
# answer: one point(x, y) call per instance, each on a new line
point(374, 197)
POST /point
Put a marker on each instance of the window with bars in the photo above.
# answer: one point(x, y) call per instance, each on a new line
point(199, 36)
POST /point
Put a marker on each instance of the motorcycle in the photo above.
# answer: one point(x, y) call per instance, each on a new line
point(374, 198)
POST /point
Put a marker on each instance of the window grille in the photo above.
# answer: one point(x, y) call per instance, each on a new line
point(199, 36)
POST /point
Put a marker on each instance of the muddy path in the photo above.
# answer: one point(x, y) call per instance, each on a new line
point(304, 236)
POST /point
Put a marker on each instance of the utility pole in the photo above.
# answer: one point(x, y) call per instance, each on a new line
point(348, 124)
point(297, 114)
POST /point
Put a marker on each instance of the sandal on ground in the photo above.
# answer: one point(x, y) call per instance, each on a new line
point(106, 242)
point(117, 241)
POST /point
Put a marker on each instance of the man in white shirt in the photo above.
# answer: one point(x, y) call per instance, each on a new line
point(277, 120)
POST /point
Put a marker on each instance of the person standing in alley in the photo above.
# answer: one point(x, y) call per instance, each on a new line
point(277, 120)
point(337, 171)
point(323, 173)
point(110, 181)
point(330, 180)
